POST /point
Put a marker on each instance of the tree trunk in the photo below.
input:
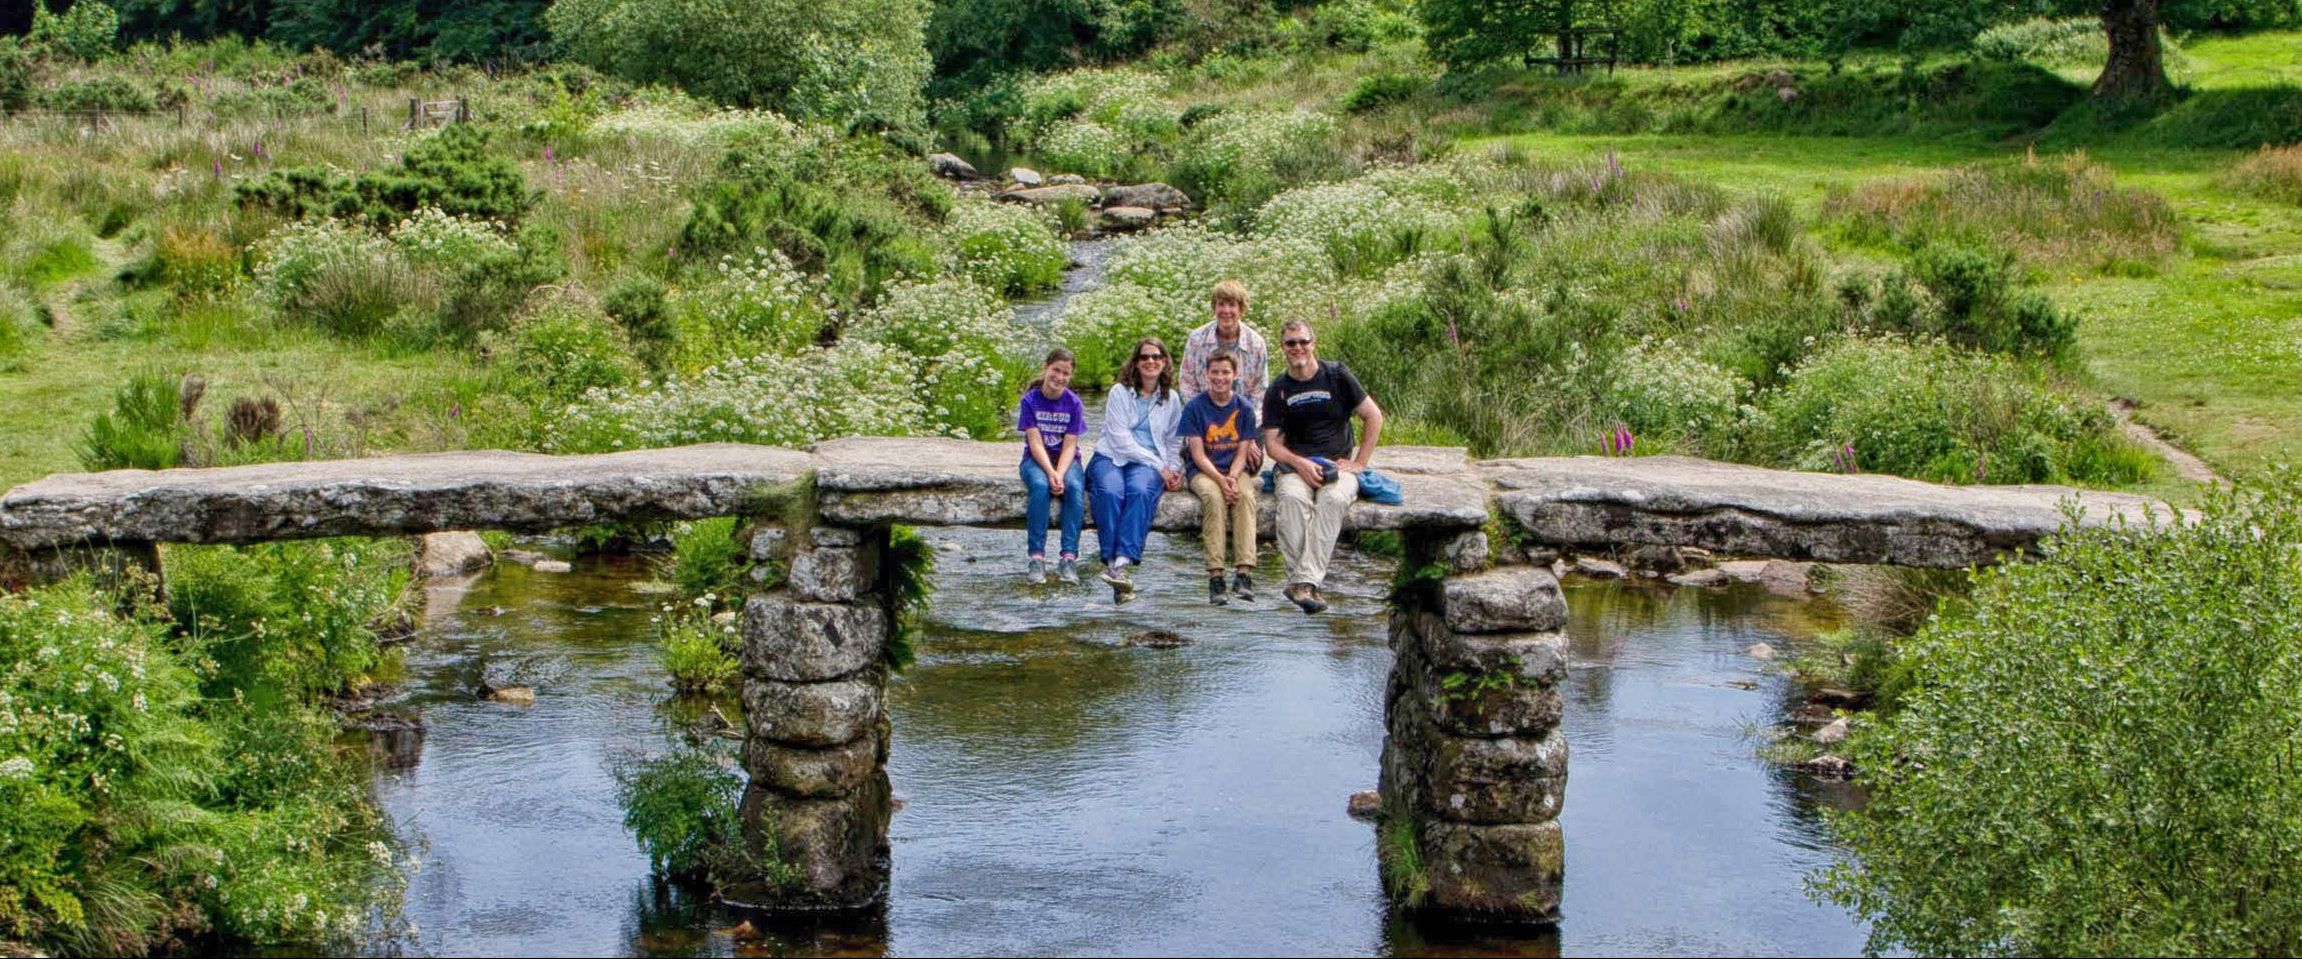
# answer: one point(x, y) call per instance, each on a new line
point(2136, 69)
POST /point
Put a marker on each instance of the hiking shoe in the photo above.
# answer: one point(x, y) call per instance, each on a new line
point(1306, 596)
point(1216, 594)
point(1036, 573)
point(1115, 573)
point(1067, 570)
point(1243, 586)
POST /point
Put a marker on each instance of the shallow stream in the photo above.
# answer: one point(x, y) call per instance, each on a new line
point(1065, 792)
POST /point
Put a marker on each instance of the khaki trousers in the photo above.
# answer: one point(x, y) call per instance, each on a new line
point(1221, 522)
point(1308, 524)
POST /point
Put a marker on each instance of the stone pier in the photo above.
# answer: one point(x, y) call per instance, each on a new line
point(1474, 764)
point(814, 696)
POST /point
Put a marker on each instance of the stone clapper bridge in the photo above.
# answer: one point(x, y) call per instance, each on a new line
point(1471, 782)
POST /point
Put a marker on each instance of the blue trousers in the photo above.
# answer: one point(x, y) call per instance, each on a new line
point(1039, 496)
point(1124, 499)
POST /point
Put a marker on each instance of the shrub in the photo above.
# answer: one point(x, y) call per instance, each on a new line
point(693, 650)
point(961, 338)
point(1084, 147)
point(1382, 89)
point(107, 93)
point(756, 304)
point(641, 306)
point(828, 215)
point(1976, 303)
point(286, 620)
point(1238, 160)
point(1660, 390)
point(1925, 409)
point(2273, 173)
point(563, 346)
point(856, 63)
point(1010, 249)
point(196, 261)
point(145, 428)
point(681, 806)
point(85, 31)
point(2072, 42)
point(2097, 758)
point(142, 812)
point(336, 277)
point(452, 171)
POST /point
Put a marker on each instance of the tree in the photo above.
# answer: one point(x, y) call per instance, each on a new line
point(857, 63)
point(2136, 69)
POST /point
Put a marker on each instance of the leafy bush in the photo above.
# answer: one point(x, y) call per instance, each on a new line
point(2273, 173)
point(708, 561)
point(1010, 249)
point(2097, 758)
point(145, 428)
point(697, 653)
point(1238, 160)
point(758, 304)
point(1925, 409)
point(681, 806)
point(2072, 42)
point(641, 306)
point(1661, 390)
point(562, 347)
point(835, 213)
point(338, 277)
point(106, 93)
point(1382, 89)
point(961, 338)
point(142, 812)
point(85, 31)
point(286, 620)
point(452, 171)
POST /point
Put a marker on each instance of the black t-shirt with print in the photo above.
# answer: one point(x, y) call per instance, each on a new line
point(1314, 415)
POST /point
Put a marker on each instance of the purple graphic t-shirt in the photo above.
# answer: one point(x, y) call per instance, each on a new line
point(1054, 418)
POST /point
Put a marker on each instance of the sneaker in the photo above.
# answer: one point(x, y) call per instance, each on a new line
point(1216, 594)
point(1036, 573)
point(1243, 586)
point(1306, 596)
point(1116, 574)
point(1067, 570)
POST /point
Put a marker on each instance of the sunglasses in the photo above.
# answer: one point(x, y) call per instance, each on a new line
point(1300, 341)
point(1140, 357)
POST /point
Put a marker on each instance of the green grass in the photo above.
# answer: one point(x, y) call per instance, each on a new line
point(2210, 346)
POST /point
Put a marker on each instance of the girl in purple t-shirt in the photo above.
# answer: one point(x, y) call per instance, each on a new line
point(1052, 420)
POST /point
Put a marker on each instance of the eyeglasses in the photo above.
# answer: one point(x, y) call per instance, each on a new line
point(1300, 341)
point(1142, 357)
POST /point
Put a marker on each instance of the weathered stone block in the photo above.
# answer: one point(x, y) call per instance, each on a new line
point(441, 555)
point(1506, 780)
point(833, 574)
point(813, 773)
point(834, 536)
point(801, 642)
point(814, 714)
point(1465, 552)
point(1535, 659)
point(1494, 711)
point(829, 853)
point(767, 543)
point(1508, 600)
point(1512, 872)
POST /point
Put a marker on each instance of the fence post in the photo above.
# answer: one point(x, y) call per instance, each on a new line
point(363, 121)
point(415, 112)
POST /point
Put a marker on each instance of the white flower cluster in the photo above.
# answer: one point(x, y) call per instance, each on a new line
point(694, 123)
point(1659, 387)
point(853, 389)
point(760, 303)
point(1366, 208)
point(435, 237)
point(1012, 249)
point(1084, 147)
point(291, 257)
point(1117, 111)
point(1252, 139)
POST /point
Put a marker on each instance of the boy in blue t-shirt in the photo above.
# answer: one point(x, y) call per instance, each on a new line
point(1052, 420)
point(1217, 426)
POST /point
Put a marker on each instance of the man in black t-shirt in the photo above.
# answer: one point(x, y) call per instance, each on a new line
point(1307, 413)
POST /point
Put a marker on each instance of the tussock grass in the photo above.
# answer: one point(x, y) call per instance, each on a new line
point(2066, 211)
point(2272, 173)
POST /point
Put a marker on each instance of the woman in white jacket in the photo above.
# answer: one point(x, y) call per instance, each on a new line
point(1137, 457)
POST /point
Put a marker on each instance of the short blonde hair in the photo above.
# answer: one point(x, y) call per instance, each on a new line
point(1229, 291)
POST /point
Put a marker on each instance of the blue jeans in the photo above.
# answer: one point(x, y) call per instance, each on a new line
point(1035, 514)
point(1124, 499)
